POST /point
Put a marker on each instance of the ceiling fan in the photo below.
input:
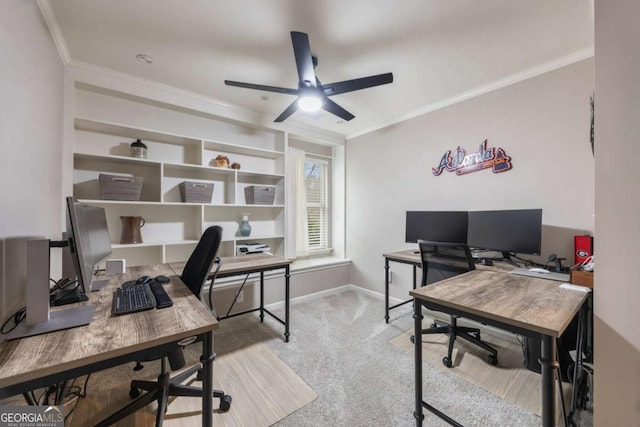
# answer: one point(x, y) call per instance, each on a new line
point(313, 95)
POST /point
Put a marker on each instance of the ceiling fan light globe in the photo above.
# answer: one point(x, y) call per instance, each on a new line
point(309, 103)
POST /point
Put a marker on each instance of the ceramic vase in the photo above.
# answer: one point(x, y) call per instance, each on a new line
point(245, 227)
point(131, 229)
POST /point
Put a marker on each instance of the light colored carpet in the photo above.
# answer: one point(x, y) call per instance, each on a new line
point(340, 346)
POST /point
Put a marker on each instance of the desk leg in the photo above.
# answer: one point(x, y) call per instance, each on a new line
point(386, 290)
point(415, 276)
point(207, 381)
point(578, 366)
point(262, 296)
point(287, 297)
point(28, 396)
point(549, 366)
point(417, 316)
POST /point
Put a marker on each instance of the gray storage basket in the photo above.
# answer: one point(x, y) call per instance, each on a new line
point(120, 187)
point(196, 192)
point(260, 194)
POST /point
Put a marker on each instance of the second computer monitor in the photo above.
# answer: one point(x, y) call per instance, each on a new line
point(506, 231)
point(89, 240)
point(438, 226)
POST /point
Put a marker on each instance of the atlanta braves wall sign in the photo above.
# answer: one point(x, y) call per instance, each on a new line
point(462, 163)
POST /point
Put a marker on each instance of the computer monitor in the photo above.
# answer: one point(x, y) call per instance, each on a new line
point(438, 226)
point(89, 245)
point(506, 231)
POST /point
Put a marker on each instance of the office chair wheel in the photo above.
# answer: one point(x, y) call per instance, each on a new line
point(493, 359)
point(433, 325)
point(412, 339)
point(447, 362)
point(134, 392)
point(225, 403)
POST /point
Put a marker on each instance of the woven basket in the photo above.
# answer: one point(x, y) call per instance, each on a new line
point(120, 187)
point(196, 192)
point(260, 194)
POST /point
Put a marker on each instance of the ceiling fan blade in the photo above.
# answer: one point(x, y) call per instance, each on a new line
point(356, 84)
point(289, 111)
point(334, 108)
point(262, 87)
point(304, 61)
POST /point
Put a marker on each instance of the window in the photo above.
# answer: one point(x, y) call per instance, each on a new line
point(317, 189)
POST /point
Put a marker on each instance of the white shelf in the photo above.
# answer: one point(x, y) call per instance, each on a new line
point(243, 150)
point(116, 129)
point(258, 237)
point(116, 159)
point(151, 244)
point(202, 169)
point(172, 227)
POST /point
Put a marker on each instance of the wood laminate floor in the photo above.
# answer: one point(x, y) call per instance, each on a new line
point(264, 390)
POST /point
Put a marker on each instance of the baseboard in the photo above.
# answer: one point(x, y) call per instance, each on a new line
point(307, 297)
point(499, 333)
point(296, 268)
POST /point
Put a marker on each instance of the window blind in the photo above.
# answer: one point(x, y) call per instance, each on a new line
point(316, 183)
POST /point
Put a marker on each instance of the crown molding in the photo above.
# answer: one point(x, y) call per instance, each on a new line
point(54, 30)
point(481, 90)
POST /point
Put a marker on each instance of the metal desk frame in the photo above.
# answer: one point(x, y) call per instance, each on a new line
point(285, 264)
point(402, 257)
point(548, 360)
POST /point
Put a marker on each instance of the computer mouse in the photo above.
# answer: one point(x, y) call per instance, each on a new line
point(539, 270)
point(162, 279)
point(144, 279)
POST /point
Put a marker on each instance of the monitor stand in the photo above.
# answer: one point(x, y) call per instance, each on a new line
point(485, 257)
point(39, 319)
point(58, 320)
point(96, 285)
point(506, 257)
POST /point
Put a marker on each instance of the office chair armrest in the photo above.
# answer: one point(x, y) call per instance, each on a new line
point(218, 262)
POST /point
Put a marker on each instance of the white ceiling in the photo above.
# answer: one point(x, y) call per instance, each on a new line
point(437, 50)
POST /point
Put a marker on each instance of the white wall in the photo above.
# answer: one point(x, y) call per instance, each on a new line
point(617, 279)
point(542, 123)
point(30, 140)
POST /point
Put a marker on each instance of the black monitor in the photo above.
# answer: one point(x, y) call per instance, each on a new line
point(89, 245)
point(506, 231)
point(438, 226)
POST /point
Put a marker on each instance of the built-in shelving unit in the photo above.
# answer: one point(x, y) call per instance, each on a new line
point(172, 228)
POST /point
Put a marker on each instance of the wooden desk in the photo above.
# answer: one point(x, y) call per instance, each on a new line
point(254, 263)
point(525, 305)
point(412, 257)
point(34, 362)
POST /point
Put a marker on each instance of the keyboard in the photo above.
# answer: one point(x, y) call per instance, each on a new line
point(560, 277)
point(134, 297)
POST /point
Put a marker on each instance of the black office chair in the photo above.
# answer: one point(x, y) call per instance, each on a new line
point(194, 275)
point(440, 261)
